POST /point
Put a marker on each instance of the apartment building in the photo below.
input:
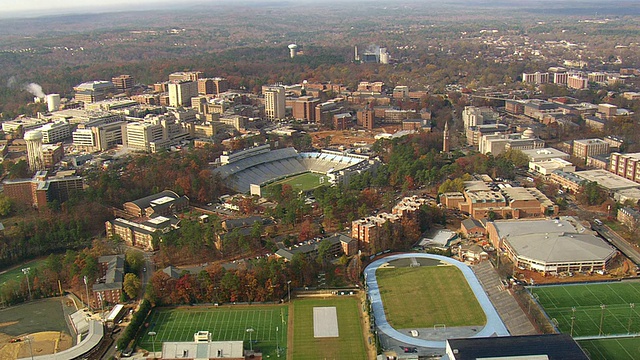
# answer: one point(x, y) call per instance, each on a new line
point(40, 190)
point(55, 132)
point(304, 108)
point(122, 82)
point(625, 165)
point(108, 287)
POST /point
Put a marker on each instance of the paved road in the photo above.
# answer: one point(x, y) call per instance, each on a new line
point(493, 327)
point(620, 243)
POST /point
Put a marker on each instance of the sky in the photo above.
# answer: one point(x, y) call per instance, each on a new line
point(11, 8)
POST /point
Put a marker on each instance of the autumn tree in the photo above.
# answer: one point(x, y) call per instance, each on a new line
point(131, 285)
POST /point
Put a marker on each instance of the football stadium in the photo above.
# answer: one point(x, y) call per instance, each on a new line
point(252, 169)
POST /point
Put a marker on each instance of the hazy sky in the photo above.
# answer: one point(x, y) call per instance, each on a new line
point(9, 8)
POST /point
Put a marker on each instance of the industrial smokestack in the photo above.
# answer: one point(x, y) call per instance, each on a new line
point(35, 89)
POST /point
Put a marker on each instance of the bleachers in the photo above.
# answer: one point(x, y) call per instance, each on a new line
point(280, 163)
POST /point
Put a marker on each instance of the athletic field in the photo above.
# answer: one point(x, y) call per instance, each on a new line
point(302, 182)
point(612, 349)
point(350, 343)
point(605, 309)
point(225, 323)
point(424, 296)
point(16, 273)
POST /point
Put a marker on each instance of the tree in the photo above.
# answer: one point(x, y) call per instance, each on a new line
point(5, 205)
point(131, 285)
point(135, 261)
point(591, 194)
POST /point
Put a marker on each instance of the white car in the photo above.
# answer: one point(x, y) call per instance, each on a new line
point(414, 333)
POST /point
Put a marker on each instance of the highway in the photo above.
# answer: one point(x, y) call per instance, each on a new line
point(621, 244)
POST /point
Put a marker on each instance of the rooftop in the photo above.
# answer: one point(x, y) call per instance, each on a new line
point(607, 180)
point(511, 228)
point(552, 347)
point(561, 247)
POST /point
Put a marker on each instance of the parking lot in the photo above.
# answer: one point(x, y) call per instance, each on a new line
point(510, 312)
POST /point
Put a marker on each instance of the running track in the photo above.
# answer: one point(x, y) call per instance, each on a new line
point(494, 325)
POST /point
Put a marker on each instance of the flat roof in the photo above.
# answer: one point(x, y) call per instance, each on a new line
point(511, 228)
point(477, 185)
point(607, 180)
point(96, 332)
point(544, 153)
point(561, 247)
point(554, 346)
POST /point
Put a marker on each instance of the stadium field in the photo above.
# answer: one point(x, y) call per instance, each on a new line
point(605, 308)
point(424, 296)
point(226, 323)
point(303, 182)
point(350, 343)
point(612, 349)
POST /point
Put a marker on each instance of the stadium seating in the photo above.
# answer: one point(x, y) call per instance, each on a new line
point(281, 163)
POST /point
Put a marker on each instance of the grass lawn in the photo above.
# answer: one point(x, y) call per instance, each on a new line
point(302, 182)
point(421, 297)
point(612, 349)
point(225, 323)
point(16, 272)
point(618, 316)
point(350, 343)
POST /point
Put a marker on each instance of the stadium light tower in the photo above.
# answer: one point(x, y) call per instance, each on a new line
point(250, 330)
point(602, 306)
point(26, 271)
point(289, 289)
point(153, 342)
point(631, 306)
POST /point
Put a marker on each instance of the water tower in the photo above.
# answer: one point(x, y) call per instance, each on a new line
point(35, 157)
point(292, 50)
point(53, 102)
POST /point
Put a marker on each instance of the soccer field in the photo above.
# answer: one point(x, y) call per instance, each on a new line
point(227, 323)
point(302, 182)
point(596, 308)
point(612, 349)
point(350, 343)
point(424, 296)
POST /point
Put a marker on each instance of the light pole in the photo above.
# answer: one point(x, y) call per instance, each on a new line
point(250, 330)
point(30, 346)
point(602, 306)
point(289, 289)
point(573, 319)
point(86, 288)
point(277, 343)
point(153, 342)
point(631, 306)
point(26, 271)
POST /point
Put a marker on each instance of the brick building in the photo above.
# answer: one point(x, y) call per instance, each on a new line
point(108, 287)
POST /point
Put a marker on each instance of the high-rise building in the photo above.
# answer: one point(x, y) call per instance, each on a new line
point(181, 92)
point(52, 154)
point(141, 135)
point(588, 147)
point(577, 81)
point(122, 82)
point(35, 158)
point(209, 86)
point(274, 103)
point(304, 108)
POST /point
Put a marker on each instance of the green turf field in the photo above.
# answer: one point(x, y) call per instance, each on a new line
point(226, 323)
point(559, 302)
point(303, 182)
point(350, 343)
point(424, 296)
point(16, 272)
point(612, 349)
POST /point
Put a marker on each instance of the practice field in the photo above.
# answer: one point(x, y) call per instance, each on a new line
point(16, 272)
point(424, 296)
point(225, 323)
point(350, 343)
point(302, 182)
point(619, 315)
point(612, 349)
